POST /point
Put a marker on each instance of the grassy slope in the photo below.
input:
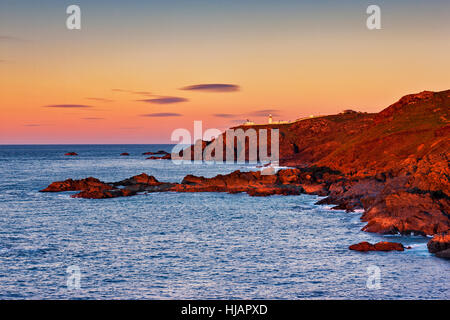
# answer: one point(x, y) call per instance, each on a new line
point(413, 127)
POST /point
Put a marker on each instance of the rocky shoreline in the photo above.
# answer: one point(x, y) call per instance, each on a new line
point(347, 195)
point(394, 165)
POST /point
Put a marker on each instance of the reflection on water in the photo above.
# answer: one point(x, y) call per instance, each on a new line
point(180, 245)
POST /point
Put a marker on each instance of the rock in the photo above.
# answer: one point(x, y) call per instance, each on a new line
point(124, 154)
point(98, 193)
point(71, 154)
point(380, 246)
point(253, 183)
point(167, 156)
point(143, 178)
point(77, 185)
point(443, 254)
point(362, 246)
point(439, 242)
point(92, 188)
point(405, 213)
point(268, 191)
point(155, 153)
point(388, 246)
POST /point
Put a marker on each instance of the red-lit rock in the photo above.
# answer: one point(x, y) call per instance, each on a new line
point(380, 246)
point(388, 246)
point(362, 246)
point(155, 153)
point(164, 157)
point(98, 193)
point(440, 242)
point(77, 185)
point(143, 178)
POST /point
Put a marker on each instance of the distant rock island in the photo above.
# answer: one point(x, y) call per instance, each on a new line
point(393, 164)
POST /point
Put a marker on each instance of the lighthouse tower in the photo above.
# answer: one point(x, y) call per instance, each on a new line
point(270, 118)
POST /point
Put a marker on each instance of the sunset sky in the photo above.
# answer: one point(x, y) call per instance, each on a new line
point(137, 70)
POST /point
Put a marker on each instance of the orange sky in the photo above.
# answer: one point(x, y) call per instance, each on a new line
point(317, 60)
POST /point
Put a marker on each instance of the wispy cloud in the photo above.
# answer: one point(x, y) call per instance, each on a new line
point(161, 114)
point(68, 106)
point(264, 113)
point(144, 93)
point(226, 115)
point(92, 118)
point(33, 125)
point(10, 38)
point(237, 121)
point(212, 87)
point(164, 100)
point(100, 99)
point(256, 113)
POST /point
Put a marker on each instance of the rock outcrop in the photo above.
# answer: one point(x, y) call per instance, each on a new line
point(164, 157)
point(77, 185)
point(380, 246)
point(159, 155)
point(92, 188)
point(252, 183)
point(440, 245)
point(159, 152)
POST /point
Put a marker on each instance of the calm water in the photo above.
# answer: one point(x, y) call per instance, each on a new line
point(185, 245)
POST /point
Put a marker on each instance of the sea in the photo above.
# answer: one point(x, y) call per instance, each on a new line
point(186, 245)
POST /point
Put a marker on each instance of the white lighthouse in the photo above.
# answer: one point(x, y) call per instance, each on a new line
point(270, 118)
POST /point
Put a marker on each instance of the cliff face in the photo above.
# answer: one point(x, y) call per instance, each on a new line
point(410, 134)
point(407, 137)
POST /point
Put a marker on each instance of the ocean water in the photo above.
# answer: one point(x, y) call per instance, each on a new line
point(186, 245)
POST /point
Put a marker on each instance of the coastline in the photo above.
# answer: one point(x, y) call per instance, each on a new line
point(405, 193)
